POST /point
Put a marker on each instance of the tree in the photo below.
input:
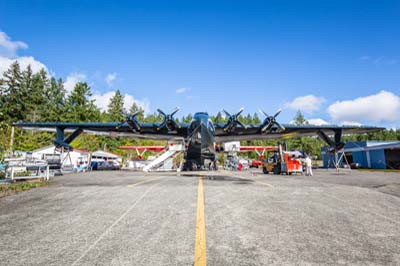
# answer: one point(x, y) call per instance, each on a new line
point(11, 96)
point(187, 119)
point(248, 119)
point(115, 110)
point(55, 105)
point(256, 119)
point(34, 86)
point(136, 108)
point(152, 118)
point(79, 106)
point(299, 119)
point(219, 119)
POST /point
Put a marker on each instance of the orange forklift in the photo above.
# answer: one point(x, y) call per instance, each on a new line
point(283, 161)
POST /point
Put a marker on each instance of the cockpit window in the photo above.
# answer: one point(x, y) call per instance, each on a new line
point(211, 125)
point(201, 117)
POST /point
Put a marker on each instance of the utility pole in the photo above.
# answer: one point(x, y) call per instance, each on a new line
point(12, 139)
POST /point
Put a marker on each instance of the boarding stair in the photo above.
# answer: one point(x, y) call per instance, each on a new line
point(172, 151)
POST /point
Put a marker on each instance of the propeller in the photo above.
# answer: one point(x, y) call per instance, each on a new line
point(168, 120)
point(335, 147)
point(270, 121)
point(233, 120)
point(132, 121)
point(337, 144)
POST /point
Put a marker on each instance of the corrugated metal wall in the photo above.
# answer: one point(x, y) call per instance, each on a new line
point(378, 160)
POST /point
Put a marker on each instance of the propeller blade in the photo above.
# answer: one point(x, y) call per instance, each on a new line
point(241, 124)
point(227, 114)
point(162, 125)
point(233, 120)
point(280, 126)
point(120, 125)
point(176, 125)
point(267, 126)
point(168, 120)
point(278, 112)
point(175, 111)
point(135, 113)
point(131, 120)
point(240, 111)
point(161, 112)
point(264, 113)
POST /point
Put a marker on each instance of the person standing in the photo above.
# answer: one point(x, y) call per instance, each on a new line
point(308, 163)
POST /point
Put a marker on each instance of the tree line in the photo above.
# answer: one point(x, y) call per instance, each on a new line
point(28, 96)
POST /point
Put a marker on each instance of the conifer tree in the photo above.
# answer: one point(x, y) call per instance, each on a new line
point(79, 106)
point(34, 88)
point(299, 119)
point(256, 119)
point(134, 108)
point(55, 107)
point(219, 118)
point(11, 96)
point(115, 110)
point(187, 119)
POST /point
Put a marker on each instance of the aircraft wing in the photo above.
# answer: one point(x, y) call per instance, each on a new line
point(257, 148)
point(253, 132)
point(143, 148)
point(113, 129)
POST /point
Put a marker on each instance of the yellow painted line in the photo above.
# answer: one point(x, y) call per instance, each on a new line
point(142, 182)
point(263, 183)
point(200, 241)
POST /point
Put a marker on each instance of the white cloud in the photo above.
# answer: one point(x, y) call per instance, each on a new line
point(383, 106)
point(9, 48)
point(308, 103)
point(378, 60)
point(181, 90)
point(110, 78)
point(8, 55)
point(313, 121)
point(317, 121)
point(102, 101)
point(129, 100)
point(350, 123)
point(72, 79)
point(23, 61)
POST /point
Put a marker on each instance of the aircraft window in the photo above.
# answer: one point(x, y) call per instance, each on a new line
point(201, 117)
point(211, 126)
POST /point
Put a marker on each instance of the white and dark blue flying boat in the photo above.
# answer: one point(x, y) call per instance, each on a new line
point(200, 135)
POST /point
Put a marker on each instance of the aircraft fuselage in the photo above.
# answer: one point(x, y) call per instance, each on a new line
point(200, 142)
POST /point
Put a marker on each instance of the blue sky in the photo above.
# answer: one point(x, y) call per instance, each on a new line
point(222, 54)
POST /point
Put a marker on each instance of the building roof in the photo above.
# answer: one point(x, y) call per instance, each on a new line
point(51, 147)
point(81, 150)
point(353, 146)
point(383, 145)
point(105, 154)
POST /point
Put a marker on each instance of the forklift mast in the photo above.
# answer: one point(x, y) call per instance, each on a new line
point(281, 148)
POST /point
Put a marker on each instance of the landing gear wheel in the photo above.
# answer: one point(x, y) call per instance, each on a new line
point(265, 170)
point(276, 170)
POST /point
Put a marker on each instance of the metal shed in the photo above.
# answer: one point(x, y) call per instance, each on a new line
point(369, 154)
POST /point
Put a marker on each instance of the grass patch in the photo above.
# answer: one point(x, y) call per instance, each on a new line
point(10, 189)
